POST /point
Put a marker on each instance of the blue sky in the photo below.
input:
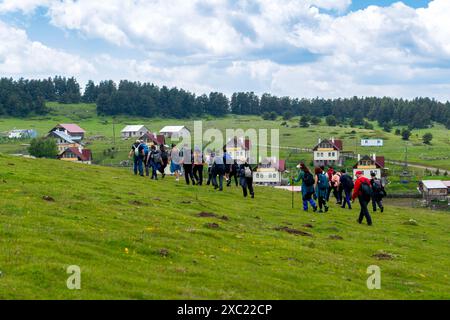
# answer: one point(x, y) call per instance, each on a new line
point(303, 48)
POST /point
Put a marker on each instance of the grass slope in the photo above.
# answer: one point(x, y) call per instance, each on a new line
point(435, 155)
point(100, 212)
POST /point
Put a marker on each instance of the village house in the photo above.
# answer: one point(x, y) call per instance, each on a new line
point(133, 131)
point(64, 141)
point(175, 132)
point(151, 138)
point(73, 130)
point(74, 154)
point(22, 134)
point(328, 153)
point(239, 148)
point(269, 172)
point(369, 164)
point(372, 142)
point(433, 190)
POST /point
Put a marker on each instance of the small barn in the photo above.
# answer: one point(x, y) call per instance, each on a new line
point(133, 131)
point(22, 134)
point(175, 132)
point(433, 190)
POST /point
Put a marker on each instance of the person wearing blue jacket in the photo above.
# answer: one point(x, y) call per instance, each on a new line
point(307, 179)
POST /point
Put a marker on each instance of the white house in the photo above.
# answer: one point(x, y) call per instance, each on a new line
point(369, 164)
point(134, 131)
point(175, 132)
point(328, 152)
point(269, 172)
point(372, 142)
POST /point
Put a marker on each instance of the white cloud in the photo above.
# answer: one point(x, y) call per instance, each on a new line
point(233, 45)
point(19, 56)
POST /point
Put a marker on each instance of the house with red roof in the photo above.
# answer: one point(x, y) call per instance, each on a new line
point(239, 148)
point(70, 129)
point(269, 172)
point(150, 138)
point(327, 152)
point(76, 155)
point(369, 164)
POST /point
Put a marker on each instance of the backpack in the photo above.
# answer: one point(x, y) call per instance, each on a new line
point(164, 156)
point(156, 157)
point(136, 150)
point(323, 181)
point(146, 150)
point(376, 186)
point(248, 172)
point(308, 179)
point(347, 182)
point(366, 191)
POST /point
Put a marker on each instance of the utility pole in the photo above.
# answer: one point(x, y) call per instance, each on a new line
point(114, 132)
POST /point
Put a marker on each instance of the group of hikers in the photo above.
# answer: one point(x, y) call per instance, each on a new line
point(316, 186)
point(191, 164)
point(320, 184)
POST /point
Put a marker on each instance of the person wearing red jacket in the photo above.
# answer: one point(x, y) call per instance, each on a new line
point(363, 200)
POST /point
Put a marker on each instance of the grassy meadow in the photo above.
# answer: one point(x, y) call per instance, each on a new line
point(139, 239)
point(100, 129)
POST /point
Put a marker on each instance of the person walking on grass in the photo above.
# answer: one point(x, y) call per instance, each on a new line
point(175, 159)
point(347, 186)
point(146, 164)
point(164, 160)
point(198, 166)
point(246, 179)
point(187, 160)
point(307, 179)
point(137, 152)
point(321, 186)
point(227, 161)
point(233, 174)
point(336, 186)
point(155, 161)
point(218, 170)
point(363, 191)
point(329, 174)
point(209, 161)
point(378, 192)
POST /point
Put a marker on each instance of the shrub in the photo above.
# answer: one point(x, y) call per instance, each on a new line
point(43, 148)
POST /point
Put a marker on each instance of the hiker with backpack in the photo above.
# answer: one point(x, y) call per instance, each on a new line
point(175, 159)
point(378, 192)
point(329, 175)
point(154, 158)
point(209, 161)
point(187, 158)
point(347, 186)
point(234, 173)
point(363, 191)
point(228, 161)
point(198, 166)
point(218, 170)
point(307, 179)
point(321, 186)
point(146, 152)
point(164, 160)
point(137, 152)
point(246, 179)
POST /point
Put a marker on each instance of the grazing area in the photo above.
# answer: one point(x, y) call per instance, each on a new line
point(139, 239)
point(100, 135)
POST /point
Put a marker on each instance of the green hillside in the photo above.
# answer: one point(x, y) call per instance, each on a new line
point(139, 239)
point(100, 135)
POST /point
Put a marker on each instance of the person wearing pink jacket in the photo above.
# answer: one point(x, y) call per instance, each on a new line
point(336, 186)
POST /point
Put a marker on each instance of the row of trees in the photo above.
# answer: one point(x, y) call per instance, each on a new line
point(24, 97)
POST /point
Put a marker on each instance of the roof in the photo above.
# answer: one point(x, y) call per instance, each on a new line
point(434, 184)
point(236, 142)
point(133, 128)
point(63, 136)
point(71, 127)
point(446, 183)
point(172, 129)
point(338, 144)
point(84, 155)
point(379, 161)
point(159, 139)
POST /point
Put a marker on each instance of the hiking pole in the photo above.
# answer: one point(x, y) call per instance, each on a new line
point(292, 184)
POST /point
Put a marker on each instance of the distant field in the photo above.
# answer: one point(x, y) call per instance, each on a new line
point(435, 155)
point(139, 239)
